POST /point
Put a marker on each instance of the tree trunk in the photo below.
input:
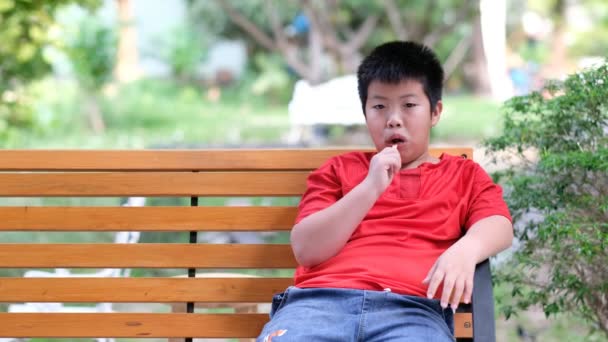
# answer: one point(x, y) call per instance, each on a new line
point(127, 59)
point(493, 17)
point(479, 69)
point(93, 112)
point(558, 64)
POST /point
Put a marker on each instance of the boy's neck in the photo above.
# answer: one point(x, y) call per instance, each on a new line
point(423, 158)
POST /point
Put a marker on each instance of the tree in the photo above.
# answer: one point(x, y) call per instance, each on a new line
point(309, 33)
point(127, 58)
point(92, 51)
point(25, 31)
point(572, 23)
point(597, 12)
point(558, 197)
point(335, 37)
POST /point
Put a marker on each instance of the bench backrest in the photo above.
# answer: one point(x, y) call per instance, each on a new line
point(193, 174)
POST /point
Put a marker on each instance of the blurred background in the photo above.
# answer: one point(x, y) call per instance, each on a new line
point(134, 74)
point(141, 74)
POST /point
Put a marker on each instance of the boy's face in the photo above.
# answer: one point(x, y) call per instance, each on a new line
point(401, 114)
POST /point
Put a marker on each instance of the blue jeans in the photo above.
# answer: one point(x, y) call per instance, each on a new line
point(325, 314)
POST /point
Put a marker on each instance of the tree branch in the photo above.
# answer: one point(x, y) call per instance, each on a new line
point(287, 50)
point(275, 23)
point(319, 19)
point(425, 26)
point(456, 56)
point(249, 27)
point(433, 37)
point(361, 35)
point(395, 19)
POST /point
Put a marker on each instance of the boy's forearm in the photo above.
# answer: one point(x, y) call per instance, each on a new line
point(488, 236)
point(321, 235)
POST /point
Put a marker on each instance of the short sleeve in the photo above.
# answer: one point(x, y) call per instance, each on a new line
point(485, 199)
point(323, 188)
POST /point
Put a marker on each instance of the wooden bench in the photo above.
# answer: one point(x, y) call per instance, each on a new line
point(193, 174)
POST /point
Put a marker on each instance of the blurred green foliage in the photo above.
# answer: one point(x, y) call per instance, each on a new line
point(91, 48)
point(151, 113)
point(561, 261)
point(161, 113)
point(595, 41)
point(273, 81)
point(27, 28)
point(183, 48)
point(443, 23)
point(467, 119)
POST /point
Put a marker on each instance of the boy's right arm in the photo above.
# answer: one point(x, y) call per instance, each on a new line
point(322, 235)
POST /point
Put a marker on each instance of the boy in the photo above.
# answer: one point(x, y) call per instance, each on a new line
point(379, 236)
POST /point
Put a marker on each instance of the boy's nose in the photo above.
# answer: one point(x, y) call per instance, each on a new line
point(393, 122)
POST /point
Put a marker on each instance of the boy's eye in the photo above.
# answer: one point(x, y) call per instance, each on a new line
point(410, 105)
point(378, 106)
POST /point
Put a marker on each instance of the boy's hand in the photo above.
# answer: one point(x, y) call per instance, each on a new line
point(455, 268)
point(383, 166)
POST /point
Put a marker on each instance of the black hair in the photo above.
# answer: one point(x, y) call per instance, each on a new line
point(397, 61)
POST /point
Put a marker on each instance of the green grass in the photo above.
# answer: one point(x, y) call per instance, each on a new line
point(161, 114)
point(468, 119)
point(148, 114)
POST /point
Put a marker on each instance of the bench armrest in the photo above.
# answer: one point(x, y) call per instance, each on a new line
point(483, 304)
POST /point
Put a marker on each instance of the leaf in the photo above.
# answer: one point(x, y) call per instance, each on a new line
point(6, 5)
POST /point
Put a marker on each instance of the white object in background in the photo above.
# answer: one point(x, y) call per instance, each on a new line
point(335, 102)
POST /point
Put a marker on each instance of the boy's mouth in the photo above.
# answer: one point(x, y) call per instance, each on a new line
point(395, 139)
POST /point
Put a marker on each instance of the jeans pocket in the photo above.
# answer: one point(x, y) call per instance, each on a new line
point(278, 300)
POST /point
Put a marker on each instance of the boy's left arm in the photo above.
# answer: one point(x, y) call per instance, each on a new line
point(456, 266)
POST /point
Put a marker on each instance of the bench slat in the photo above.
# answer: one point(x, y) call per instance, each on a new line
point(141, 290)
point(146, 325)
point(147, 218)
point(146, 255)
point(463, 325)
point(153, 184)
point(142, 325)
point(176, 160)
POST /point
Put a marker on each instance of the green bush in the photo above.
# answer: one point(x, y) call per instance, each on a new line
point(273, 81)
point(91, 49)
point(92, 53)
point(554, 147)
point(25, 32)
point(183, 49)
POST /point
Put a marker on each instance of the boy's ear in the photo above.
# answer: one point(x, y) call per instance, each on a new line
point(436, 113)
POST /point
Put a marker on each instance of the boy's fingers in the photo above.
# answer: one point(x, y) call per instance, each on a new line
point(457, 293)
point(428, 275)
point(397, 164)
point(392, 166)
point(448, 286)
point(435, 280)
point(468, 291)
point(426, 279)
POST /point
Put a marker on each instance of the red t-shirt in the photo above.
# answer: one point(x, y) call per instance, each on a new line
point(422, 212)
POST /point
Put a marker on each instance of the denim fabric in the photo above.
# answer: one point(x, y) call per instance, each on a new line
point(339, 315)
